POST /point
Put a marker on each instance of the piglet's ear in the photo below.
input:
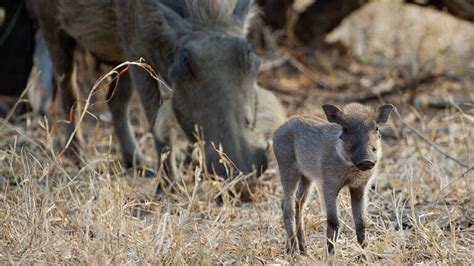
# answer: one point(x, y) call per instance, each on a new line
point(333, 113)
point(383, 113)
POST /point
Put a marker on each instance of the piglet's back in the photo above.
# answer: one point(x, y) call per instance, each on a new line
point(309, 138)
point(309, 141)
point(307, 127)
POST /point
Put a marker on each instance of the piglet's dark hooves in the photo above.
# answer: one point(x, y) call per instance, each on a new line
point(142, 171)
point(165, 186)
point(159, 190)
point(148, 173)
point(219, 201)
point(330, 248)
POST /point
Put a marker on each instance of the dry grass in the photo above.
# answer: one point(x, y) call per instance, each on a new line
point(421, 210)
point(52, 211)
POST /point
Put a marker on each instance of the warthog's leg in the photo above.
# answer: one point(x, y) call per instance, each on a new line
point(149, 94)
point(45, 65)
point(289, 180)
point(358, 212)
point(332, 231)
point(61, 49)
point(302, 195)
point(119, 97)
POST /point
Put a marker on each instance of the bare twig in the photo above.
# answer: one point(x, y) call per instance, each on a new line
point(411, 83)
point(306, 71)
point(274, 63)
point(278, 88)
point(466, 172)
point(431, 143)
point(439, 103)
point(233, 182)
point(462, 175)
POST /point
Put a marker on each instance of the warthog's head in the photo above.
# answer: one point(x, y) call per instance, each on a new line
point(360, 137)
point(213, 73)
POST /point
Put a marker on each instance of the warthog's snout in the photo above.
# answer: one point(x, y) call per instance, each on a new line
point(365, 165)
point(239, 160)
point(260, 161)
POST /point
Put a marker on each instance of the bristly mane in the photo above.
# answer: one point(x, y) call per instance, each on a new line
point(217, 12)
point(359, 110)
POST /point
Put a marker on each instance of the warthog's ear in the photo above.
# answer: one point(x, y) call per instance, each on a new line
point(383, 112)
point(333, 113)
point(167, 24)
point(243, 13)
point(241, 9)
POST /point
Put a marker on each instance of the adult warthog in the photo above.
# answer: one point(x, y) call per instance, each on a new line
point(198, 46)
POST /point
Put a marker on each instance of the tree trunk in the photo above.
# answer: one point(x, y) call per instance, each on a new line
point(463, 9)
point(313, 23)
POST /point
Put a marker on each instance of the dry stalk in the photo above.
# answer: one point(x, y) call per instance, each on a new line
point(431, 143)
point(116, 72)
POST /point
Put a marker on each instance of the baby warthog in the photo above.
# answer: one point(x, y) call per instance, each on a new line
point(341, 152)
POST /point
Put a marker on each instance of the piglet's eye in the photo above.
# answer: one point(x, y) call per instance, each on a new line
point(254, 62)
point(344, 131)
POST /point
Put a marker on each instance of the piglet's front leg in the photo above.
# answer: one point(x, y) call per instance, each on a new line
point(358, 212)
point(332, 231)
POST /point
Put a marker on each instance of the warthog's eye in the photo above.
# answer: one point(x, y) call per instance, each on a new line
point(376, 129)
point(374, 149)
point(253, 59)
point(344, 131)
point(185, 61)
